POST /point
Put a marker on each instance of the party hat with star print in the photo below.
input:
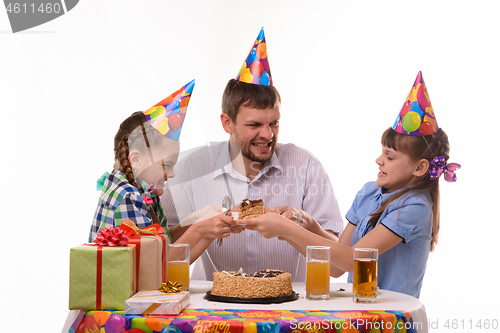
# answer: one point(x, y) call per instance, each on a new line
point(256, 69)
point(417, 117)
point(167, 116)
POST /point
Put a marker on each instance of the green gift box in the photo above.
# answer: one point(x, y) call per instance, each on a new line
point(101, 277)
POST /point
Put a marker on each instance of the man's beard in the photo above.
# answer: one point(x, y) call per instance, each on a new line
point(252, 157)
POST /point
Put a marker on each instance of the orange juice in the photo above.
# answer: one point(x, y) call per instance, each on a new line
point(318, 279)
point(178, 271)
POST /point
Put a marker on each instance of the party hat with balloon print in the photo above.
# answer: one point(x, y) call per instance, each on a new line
point(168, 115)
point(417, 115)
point(256, 69)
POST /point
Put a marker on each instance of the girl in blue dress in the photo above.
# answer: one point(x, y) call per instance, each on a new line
point(398, 214)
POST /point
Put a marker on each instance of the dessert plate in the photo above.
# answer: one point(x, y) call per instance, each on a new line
point(267, 300)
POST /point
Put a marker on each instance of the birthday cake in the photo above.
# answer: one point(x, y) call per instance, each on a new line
point(250, 208)
point(262, 284)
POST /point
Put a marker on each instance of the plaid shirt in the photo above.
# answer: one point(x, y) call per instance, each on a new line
point(119, 200)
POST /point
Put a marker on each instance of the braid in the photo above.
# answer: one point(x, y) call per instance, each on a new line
point(121, 146)
point(122, 157)
point(442, 145)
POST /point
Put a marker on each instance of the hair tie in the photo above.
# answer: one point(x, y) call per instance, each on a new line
point(148, 194)
point(101, 180)
point(439, 167)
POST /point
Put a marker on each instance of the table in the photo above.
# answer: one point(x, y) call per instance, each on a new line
point(393, 312)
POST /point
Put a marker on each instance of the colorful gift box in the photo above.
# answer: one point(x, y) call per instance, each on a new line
point(151, 249)
point(101, 277)
point(154, 302)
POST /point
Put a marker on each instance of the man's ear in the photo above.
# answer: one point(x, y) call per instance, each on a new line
point(421, 168)
point(134, 159)
point(226, 123)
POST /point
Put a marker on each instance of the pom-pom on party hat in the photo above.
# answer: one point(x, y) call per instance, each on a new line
point(256, 69)
point(417, 116)
point(168, 115)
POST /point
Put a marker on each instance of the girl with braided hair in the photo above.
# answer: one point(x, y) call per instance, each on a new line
point(144, 160)
point(398, 214)
point(146, 148)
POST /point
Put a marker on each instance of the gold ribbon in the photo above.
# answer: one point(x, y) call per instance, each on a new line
point(185, 293)
point(170, 287)
point(132, 229)
point(153, 306)
point(156, 304)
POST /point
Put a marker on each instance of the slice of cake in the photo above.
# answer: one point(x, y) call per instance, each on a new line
point(262, 284)
point(250, 208)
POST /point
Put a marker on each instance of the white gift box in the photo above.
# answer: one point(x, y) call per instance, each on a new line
point(155, 302)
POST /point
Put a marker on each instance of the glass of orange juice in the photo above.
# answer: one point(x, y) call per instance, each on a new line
point(318, 272)
point(178, 265)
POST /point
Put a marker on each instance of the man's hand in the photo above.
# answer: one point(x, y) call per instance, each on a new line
point(219, 226)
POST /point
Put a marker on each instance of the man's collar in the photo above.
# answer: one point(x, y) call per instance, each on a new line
point(272, 163)
point(224, 164)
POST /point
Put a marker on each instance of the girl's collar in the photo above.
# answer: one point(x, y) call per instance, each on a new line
point(382, 193)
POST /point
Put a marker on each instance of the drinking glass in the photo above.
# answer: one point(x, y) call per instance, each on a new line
point(364, 278)
point(178, 265)
point(318, 272)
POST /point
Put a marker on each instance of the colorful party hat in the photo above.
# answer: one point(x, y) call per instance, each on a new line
point(417, 116)
point(168, 115)
point(256, 69)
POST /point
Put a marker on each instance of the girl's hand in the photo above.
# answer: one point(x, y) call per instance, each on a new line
point(297, 215)
point(270, 224)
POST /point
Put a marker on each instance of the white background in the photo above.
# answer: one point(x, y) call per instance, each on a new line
point(343, 69)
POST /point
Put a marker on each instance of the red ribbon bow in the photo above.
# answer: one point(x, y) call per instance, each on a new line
point(148, 200)
point(111, 236)
point(149, 192)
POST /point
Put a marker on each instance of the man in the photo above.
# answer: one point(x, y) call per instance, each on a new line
point(253, 165)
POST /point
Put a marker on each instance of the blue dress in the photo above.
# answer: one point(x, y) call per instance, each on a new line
point(402, 268)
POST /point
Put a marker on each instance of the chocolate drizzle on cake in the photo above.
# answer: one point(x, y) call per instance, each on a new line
point(264, 273)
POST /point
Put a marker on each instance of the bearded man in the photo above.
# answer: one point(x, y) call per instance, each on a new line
point(252, 164)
